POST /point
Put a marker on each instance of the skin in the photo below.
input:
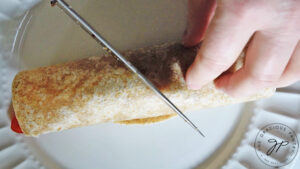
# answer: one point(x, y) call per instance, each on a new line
point(271, 28)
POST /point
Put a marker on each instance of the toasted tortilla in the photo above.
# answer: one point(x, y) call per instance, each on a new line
point(101, 89)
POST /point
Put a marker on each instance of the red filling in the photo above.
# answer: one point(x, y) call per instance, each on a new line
point(15, 125)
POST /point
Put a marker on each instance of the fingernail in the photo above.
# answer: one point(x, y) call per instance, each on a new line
point(193, 86)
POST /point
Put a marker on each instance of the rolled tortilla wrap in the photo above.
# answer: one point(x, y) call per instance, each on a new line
point(101, 89)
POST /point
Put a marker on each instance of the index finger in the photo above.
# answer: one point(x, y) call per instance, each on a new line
point(226, 37)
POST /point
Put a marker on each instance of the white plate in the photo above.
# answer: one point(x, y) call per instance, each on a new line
point(48, 36)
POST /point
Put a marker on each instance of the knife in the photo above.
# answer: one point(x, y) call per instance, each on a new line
point(108, 48)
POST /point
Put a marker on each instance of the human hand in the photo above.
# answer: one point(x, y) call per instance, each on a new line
point(273, 55)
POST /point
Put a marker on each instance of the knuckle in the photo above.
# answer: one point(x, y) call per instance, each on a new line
point(238, 7)
point(215, 65)
point(240, 12)
point(264, 80)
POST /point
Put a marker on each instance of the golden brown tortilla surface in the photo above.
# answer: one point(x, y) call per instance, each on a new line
point(101, 89)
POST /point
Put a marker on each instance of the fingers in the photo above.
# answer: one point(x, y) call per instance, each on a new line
point(226, 37)
point(292, 72)
point(266, 59)
point(200, 13)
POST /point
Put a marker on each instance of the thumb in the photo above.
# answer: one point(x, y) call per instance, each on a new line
point(200, 13)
